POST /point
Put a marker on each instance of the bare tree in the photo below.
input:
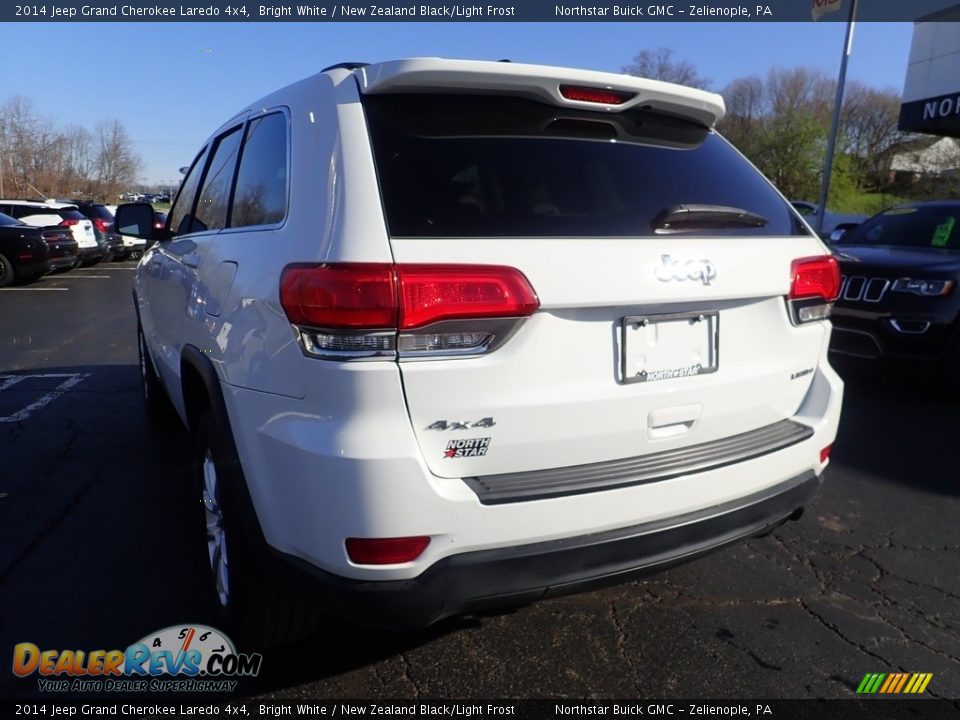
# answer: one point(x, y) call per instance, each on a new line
point(115, 164)
point(659, 65)
point(745, 99)
point(870, 119)
point(41, 159)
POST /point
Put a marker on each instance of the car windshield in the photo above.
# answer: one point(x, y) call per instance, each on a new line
point(923, 226)
point(7, 220)
point(487, 166)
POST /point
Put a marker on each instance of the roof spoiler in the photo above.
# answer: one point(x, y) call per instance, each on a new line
point(543, 83)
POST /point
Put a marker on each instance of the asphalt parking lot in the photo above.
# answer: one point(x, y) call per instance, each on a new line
point(95, 550)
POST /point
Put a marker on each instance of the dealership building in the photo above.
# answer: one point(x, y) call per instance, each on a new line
point(931, 92)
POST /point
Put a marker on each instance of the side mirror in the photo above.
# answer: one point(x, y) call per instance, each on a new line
point(837, 235)
point(136, 220)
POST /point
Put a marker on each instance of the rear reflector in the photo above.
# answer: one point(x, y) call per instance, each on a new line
point(601, 96)
point(380, 296)
point(815, 277)
point(385, 551)
point(825, 453)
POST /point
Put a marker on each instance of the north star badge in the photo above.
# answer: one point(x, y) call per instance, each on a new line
point(468, 447)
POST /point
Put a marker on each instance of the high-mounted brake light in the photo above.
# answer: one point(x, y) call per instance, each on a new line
point(814, 286)
point(353, 310)
point(601, 96)
point(385, 551)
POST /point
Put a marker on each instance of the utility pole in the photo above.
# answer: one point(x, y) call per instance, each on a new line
point(835, 125)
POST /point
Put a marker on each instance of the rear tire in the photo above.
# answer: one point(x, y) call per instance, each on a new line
point(7, 273)
point(246, 593)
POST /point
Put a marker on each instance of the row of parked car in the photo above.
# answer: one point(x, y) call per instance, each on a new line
point(42, 236)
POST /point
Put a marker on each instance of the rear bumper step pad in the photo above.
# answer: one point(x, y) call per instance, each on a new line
point(560, 482)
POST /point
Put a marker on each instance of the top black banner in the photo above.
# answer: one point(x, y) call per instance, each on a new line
point(483, 11)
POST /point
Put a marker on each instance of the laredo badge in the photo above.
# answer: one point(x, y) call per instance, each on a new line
point(469, 447)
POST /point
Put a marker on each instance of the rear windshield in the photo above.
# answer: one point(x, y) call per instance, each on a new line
point(71, 215)
point(99, 211)
point(493, 166)
point(927, 226)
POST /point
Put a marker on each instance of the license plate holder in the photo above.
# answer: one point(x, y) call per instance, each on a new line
point(668, 346)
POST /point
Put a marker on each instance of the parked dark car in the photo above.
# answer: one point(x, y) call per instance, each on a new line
point(28, 252)
point(899, 299)
point(104, 228)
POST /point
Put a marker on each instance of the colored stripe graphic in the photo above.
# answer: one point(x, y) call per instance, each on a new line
point(894, 683)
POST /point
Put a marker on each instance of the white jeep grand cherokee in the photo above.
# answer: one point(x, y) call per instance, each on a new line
point(456, 334)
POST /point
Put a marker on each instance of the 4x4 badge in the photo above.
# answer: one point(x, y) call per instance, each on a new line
point(461, 424)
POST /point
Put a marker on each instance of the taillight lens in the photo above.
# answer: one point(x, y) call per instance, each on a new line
point(385, 551)
point(429, 293)
point(68, 223)
point(350, 296)
point(814, 286)
point(102, 225)
point(815, 277)
point(601, 96)
point(350, 310)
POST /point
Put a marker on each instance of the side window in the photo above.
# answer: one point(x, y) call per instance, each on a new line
point(181, 219)
point(211, 212)
point(260, 197)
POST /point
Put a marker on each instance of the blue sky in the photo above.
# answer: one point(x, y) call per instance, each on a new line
point(171, 84)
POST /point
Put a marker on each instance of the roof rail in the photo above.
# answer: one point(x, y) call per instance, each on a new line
point(345, 66)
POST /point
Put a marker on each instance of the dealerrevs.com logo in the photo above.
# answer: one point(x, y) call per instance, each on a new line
point(180, 658)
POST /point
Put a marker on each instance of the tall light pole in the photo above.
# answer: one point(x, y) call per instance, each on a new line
point(835, 125)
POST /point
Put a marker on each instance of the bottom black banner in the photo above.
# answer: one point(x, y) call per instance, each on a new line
point(876, 709)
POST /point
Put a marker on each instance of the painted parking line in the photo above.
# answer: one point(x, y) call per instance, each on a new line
point(31, 289)
point(78, 277)
point(101, 269)
point(70, 380)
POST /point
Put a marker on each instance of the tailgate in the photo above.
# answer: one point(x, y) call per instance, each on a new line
point(660, 257)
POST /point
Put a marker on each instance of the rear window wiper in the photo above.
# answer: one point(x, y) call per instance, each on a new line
point(685, 218)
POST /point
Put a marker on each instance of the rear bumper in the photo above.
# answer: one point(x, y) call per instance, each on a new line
point(900, 336)
point(91, 253)
point(511, 576)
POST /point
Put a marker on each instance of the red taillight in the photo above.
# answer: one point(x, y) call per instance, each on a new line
point(69, 223)
point(102, 225)
point(825, 453)
point(595, 95)
point(815, 277)
point(351, 296)
point(385, 551)
point(429, 293)
point(378, 296)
